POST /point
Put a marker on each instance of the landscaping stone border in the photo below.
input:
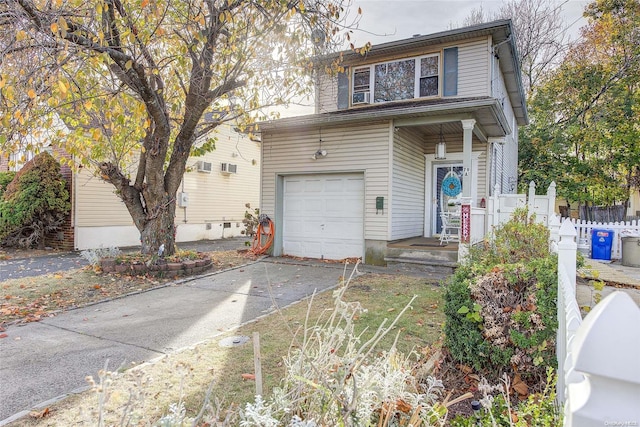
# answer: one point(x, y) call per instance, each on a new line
point(159, 269)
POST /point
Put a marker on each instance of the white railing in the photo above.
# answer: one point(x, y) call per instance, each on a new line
point(598, 365)
point(585, 228)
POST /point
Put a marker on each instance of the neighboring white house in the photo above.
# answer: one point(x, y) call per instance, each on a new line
point(363, 170)
point(211, 204)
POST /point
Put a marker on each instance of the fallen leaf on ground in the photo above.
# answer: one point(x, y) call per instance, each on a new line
point(466, 369)
point(40, 414)
point(248, 377)
point(520, 386)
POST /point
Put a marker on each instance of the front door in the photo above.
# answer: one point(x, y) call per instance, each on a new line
point(440, 171)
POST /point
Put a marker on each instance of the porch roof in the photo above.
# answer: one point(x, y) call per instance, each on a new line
point(487, 112)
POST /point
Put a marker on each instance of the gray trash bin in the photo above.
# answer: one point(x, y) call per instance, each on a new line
point(631, 251)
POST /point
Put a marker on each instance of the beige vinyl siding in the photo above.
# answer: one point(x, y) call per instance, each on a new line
point(96, 204)
point(357, 148)
point(500, 92)
point(473, 69)
point(216, 197)
point(327, 94)
point(508, 166)
point(212, 196)
point(407, 194)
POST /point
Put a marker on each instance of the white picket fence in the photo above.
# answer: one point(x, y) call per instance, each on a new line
point(500, 207)
point(585, 229)
point(598, 365)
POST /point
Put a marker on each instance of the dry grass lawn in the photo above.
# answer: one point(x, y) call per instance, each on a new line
point(189, 373)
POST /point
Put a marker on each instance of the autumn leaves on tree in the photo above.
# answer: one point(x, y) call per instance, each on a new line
point(124, 86)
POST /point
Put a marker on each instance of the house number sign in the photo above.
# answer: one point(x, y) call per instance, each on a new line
point(465, 223)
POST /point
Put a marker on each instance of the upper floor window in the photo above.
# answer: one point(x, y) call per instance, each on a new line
point(397, 80)
point(410, 78)
point(429, 70)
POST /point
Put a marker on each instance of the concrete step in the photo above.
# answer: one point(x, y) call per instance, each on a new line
point(433, 256)
point(425, 267)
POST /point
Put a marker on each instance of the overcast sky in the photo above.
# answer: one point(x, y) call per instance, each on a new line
point(390, 20)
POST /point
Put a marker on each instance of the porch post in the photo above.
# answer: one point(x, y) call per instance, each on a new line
point(467, 126)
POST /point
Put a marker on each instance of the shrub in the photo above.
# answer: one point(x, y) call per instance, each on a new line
point(501, 307)
point(251, 221)
point(35, 203)
point(5, 179)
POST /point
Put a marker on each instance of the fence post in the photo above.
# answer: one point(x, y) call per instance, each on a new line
point(567, 248)
point(551, 194)
point(532, 198)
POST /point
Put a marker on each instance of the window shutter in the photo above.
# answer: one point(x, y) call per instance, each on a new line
point(450, 83)
point(343, 89)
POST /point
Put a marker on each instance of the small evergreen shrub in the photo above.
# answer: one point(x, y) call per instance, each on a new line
point(5, 179)
point(34, 203)
point(500, 308)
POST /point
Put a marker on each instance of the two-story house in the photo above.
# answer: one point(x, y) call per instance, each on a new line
point(368, 167)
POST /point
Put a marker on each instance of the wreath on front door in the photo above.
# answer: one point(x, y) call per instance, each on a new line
point(451, 185)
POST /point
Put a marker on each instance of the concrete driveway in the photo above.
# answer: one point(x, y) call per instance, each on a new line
point(44, 360)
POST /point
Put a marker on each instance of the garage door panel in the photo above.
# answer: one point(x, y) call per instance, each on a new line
point(295, 186)
point(313, 186)
point(324, 216)
point(334, 185)
point(340, 231)
point(313, 207)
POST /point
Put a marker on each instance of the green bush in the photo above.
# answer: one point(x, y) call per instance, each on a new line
point(539, 409)
point(500, 308)
point(5, 179)
point(35, 203)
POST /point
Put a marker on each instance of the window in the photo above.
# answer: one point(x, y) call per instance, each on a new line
point(397, 80)
point(394, 81)
point(361, 78)
point(429, 76)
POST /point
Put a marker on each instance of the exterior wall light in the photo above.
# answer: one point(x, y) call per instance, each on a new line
point(441, 147)
point(319, 154)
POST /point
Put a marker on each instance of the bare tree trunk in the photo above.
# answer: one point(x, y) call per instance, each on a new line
point(160, 230)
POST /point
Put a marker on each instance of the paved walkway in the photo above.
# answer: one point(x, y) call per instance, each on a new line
point(628, 279)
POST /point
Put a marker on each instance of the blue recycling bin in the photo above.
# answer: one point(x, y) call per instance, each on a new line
point(601, 242)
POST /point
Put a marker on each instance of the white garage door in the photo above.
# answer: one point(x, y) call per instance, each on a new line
point(324, 216)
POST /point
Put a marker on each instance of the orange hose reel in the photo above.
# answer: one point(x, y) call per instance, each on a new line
point(263, 239)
